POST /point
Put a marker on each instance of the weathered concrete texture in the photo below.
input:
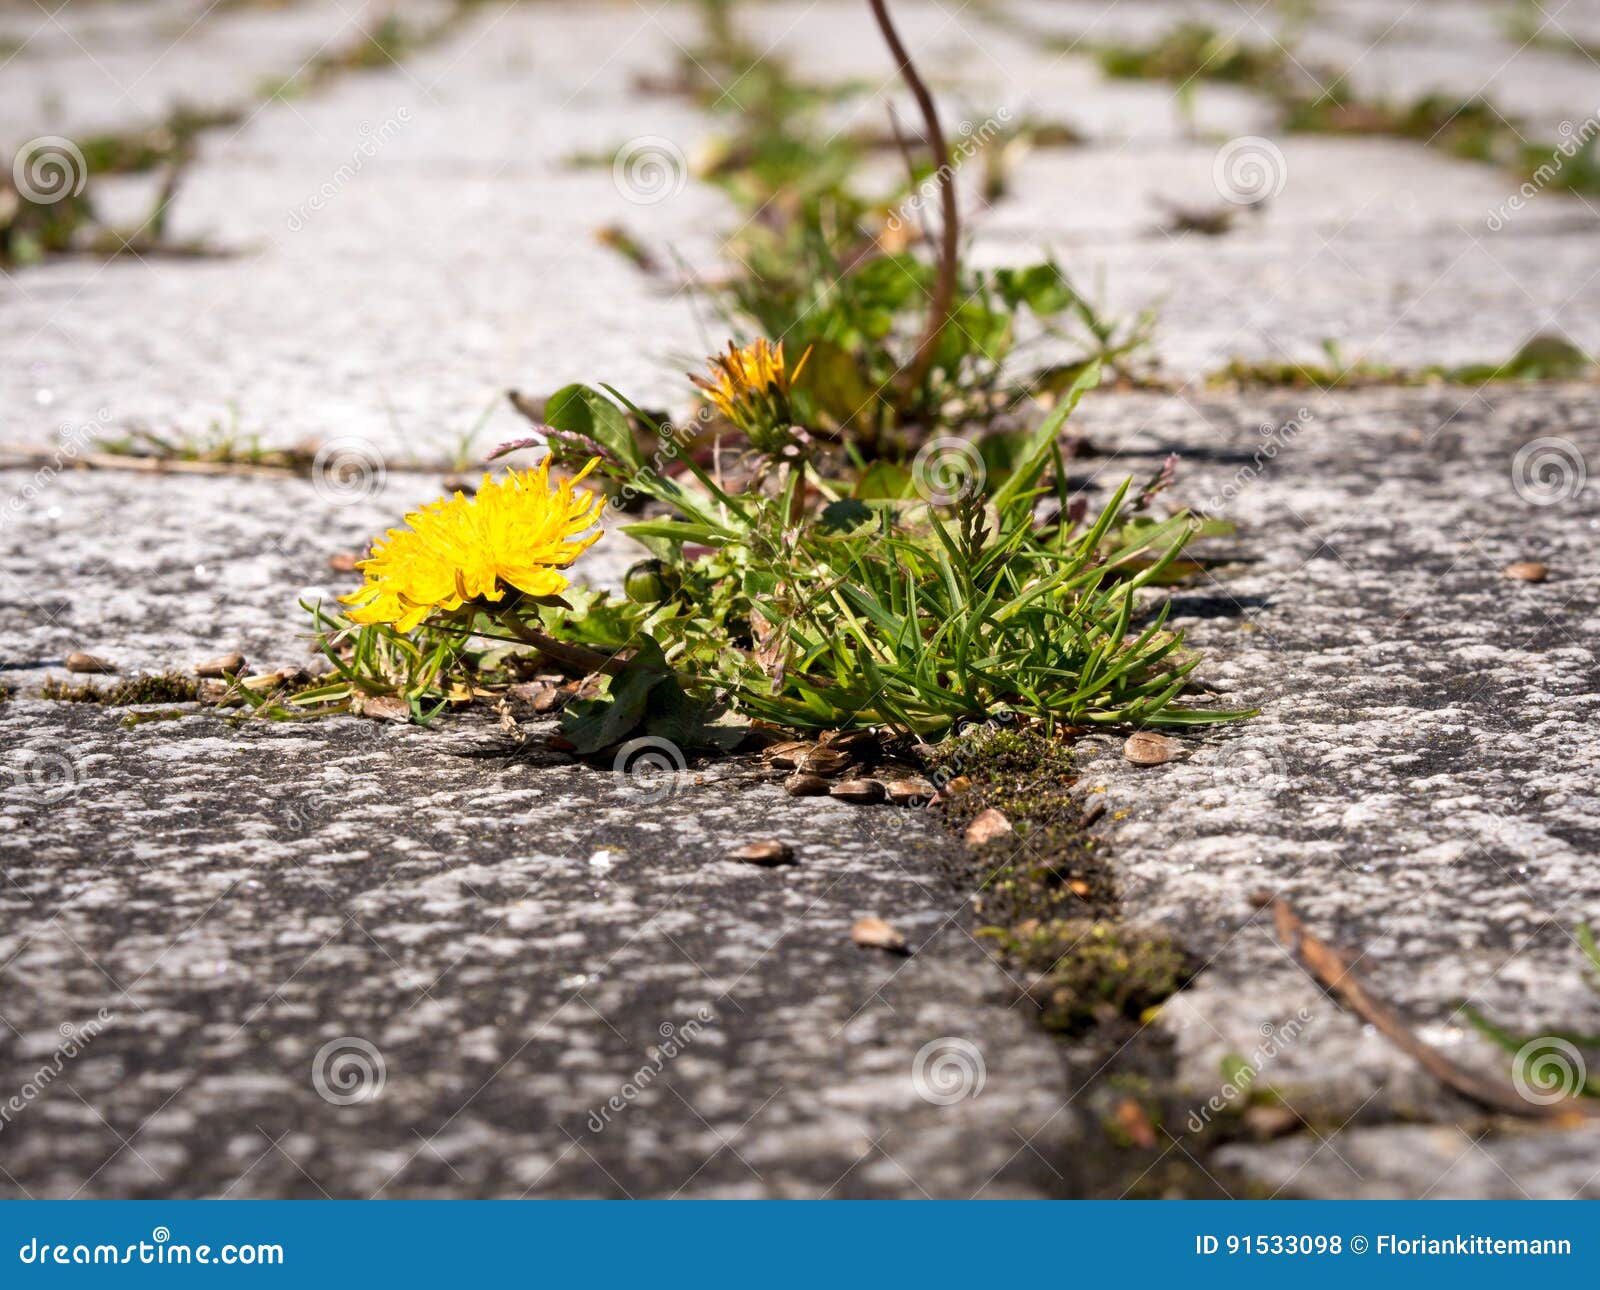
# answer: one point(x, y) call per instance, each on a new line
point(1425, 1163)
point(1419, 781)
point(128, 65)
point(406, 244)
point(518, 944)
point(451, 242)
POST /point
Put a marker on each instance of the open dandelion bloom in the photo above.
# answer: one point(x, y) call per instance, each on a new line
point(517, 533)
point(750, 386)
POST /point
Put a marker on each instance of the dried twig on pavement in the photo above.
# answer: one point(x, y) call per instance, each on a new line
point(1333, 968)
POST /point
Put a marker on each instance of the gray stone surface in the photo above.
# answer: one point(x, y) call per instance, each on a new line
point(512, 946)
point(512, 935)
point(1419, 781)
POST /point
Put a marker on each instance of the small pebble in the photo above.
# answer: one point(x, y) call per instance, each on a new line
point(1526, 571)
point(864, 792)
point(770, 853)
point(875, 934)
point(88, 663)
point(988, 826)
point(1146, 748)
point(803, 785)
point(225, 665)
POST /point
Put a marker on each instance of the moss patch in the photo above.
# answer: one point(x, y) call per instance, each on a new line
point(1046, 898)
point(163, 687)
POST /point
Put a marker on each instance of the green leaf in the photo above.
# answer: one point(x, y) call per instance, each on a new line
point(580, 410)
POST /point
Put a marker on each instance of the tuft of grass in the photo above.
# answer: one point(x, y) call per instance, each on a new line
point(1544, 1060)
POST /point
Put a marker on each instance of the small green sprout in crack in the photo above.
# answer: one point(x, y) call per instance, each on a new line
point(1551, 1065)
point(1541, 358)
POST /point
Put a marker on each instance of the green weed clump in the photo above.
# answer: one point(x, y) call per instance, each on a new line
point(814, 596)
point(853, 270)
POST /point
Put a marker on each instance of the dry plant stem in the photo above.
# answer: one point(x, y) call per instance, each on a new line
point(944, 290)
point(1332, 967)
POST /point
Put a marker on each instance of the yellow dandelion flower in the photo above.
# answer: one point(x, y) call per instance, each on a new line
point(517, 533)
point(751, 386)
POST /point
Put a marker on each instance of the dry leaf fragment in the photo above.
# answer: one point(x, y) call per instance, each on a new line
point(786, 756)
point(1132, 1120)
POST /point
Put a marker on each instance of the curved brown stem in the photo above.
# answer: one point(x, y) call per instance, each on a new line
point(944, 290)
point(576, 657)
